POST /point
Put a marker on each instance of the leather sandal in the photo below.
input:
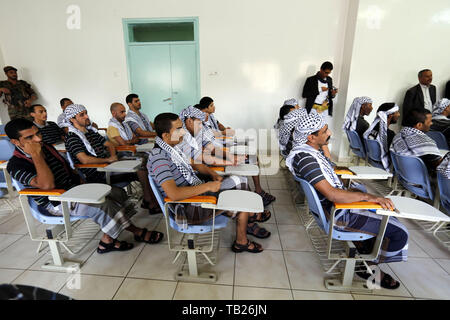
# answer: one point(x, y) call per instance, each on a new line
point(236, 247)
point(108, 247)
point(155, 237)
point(264, 216)
point(258, 231)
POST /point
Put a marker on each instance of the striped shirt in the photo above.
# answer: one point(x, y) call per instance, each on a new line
point(51, 133)
point(24, 171)
point(306, 167)
point(74, 146)
point(161, 168)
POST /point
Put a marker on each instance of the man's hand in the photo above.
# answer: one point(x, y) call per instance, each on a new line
point(213, 186)
point(386, 203)
point(324, 88)
point(5, 90)
point(95, 125)
point(112, 159)
point(32, 148)
point(134, 140)
point(334, 92)
point(216, 177)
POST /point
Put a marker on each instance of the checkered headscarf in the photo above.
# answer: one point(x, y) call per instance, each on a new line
point(290, 122)
point(440, 106)
point(70, 112)
point(291, 102)
point(444, 167)
point(353, 113)
point(412, 142)
point(381, 135)
point(306, 125)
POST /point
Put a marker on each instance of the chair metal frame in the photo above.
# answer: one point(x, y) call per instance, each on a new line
point(356, 146)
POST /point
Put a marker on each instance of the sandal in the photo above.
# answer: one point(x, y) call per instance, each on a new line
point(236, 247)
point(155, 237)
point(258, 231)
point(108, 247)
point(264, 216)
point(267, 198)
point(386, 282)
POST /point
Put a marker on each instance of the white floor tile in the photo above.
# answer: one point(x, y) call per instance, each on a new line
point(138, 289)
point(317, 295)
point(92, 287)
point(271, 243)
point(21, 254)
point(15, 225)
point(266, 269)
point(155, 262)
point(295, 238)
point(7, 239)
point(444, 263)
point(8, 275)
point(250, 293)
point(199, 291)
point(286, 214)
point(429, 244)
point(224, 268)
point(52, 281)
point(424, 278)
point(305, 271)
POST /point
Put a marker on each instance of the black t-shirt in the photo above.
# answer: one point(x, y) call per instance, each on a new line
point(51, 133)
point(361, 126)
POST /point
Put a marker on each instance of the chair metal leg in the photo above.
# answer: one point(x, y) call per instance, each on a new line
point(57, 263)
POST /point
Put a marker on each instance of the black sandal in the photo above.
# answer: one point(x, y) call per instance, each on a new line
point(108, 247)
point(258, 231)
point(155, 237)
point(386, 282)
point(267, 198)
point(236, 247)
point(264, 216)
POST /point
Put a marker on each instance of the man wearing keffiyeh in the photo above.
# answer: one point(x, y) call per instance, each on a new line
point(177, 177)
point(206, 105)
point(412, 140)
point(387, 114)
point(354, 120)
point(441, 118)
point(306, 161)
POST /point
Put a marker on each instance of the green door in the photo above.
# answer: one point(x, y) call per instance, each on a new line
point(163, 64)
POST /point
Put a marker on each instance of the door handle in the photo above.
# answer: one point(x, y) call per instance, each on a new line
point(167, 99)
point(175, 92)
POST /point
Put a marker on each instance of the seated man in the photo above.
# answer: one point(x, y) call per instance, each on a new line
point(61, 121)
point(307, 162)
point(119, 132)
point(354, 120)
point(139, 123)
point(86, 146)
point(36, 164)
point(206, 104)
point(441, 118)
point(412, 140)
point(211, 154)
point(284, 110)
point(387, 114)
point(51, 133)
point(287, 127)
point(174, 175)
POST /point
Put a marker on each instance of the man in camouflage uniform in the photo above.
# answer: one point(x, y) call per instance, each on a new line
point(18, 94)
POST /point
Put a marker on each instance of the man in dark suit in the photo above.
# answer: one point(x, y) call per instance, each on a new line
point(422, 95)
point(319, 91)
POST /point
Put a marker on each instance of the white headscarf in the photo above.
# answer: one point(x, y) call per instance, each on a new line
point(351, 118)
point(124, 129)
point(381, 135)
point(291, 102)
point(439, 107)
point(143, 124)
point(70, 112)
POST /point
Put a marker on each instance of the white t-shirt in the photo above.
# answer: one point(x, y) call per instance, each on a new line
point(323, 95)
point(426, 98)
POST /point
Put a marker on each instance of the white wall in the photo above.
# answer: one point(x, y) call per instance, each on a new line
point(394, 40)
point(262, 50)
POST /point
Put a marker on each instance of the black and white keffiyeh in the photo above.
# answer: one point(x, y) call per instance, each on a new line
point(381, 135)
point(290, 122)
point(412, 142)
point(307, 124)
point(291, 102)
point(143, 122)
point(212, 122)
point(206, 132)
point(444, 166)
point(70, 112)
point(181, 162)
point(351, 118)
point(124, 129)
point(439, 107)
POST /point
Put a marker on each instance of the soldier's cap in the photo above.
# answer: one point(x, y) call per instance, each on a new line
point(8, 68)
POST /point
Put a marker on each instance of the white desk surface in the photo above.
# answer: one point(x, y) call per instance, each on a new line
point(240, 200)
point(443, 152)
point(85, 193)
point(122, 166)
point(242, 170)
point(243, 150)
point(60, 146)
point(414, 209)
point(367, 173)
point(145, 147)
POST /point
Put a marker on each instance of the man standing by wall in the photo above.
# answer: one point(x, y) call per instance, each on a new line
point(19, 95)
point(319, 91)
point(422, 95)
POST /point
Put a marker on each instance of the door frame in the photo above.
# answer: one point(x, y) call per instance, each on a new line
point(127, 21)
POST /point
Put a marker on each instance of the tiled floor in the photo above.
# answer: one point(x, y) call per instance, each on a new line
point(287, 269)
